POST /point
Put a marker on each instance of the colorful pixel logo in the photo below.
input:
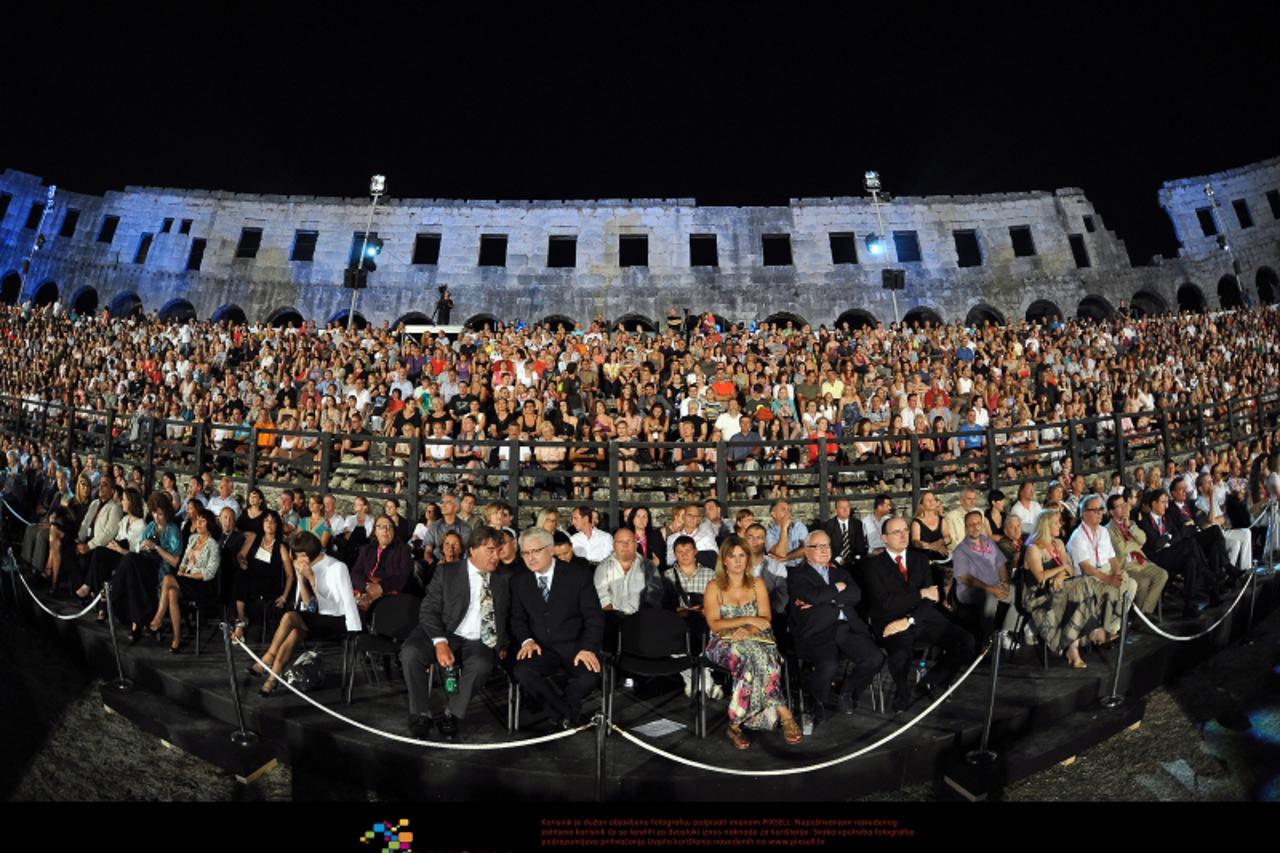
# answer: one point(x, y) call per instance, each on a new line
point(395, 837)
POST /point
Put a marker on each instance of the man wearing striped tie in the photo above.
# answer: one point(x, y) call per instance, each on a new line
point(463, 622)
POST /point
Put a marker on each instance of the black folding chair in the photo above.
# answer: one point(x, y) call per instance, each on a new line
point(652, 642)
point(391, 619)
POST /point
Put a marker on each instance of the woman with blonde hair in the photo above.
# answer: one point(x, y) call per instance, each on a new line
point(1063, 607)
point(736, 607)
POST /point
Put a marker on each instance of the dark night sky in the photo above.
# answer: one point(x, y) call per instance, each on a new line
point(736, 108)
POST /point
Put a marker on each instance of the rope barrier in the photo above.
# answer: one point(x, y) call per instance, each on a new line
point(1206, 631)
point(791, 771)
point(14, 511)
point(464, 747)
point(40, 604)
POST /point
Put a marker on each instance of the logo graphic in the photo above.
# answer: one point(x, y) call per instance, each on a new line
point(394, 837)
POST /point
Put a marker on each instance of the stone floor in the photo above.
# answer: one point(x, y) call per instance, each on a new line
point(1213, 735)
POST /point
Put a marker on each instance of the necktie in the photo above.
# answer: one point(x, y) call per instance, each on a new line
point(844, 544)
point(488, 624)
point(545, 587)
point(902, 568)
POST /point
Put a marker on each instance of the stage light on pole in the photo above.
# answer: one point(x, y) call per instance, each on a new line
point(875, 242)
point(357, 278)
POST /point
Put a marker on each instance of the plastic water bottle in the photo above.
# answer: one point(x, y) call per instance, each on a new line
point(451, 679)
point(919, 670)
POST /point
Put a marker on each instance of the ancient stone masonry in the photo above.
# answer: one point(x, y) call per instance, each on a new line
point(998, 257)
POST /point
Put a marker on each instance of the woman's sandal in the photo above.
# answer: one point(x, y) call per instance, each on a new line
point(791, 731)
point(740, 740)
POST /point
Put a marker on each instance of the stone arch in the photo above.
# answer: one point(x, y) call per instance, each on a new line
point(781, 317)
point(1146, 303)
point(983, 314)
point(1268, 286)
point(45, 294)
point(1042, 310)
point(1229, 293)
point(412, 318)
point(11, 288)
point(1191, 298)
point(554, 321)
point(921, 315)
point(636, 323)
point(125, 305)
point(178, 309)
point(1095, 308)
point(85, 301)
point(285, 316)
point(340, 317)
point(477, 322)
point(230, 313)
point(857, 318)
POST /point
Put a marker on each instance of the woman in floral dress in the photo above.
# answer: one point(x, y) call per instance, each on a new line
point(736, 607)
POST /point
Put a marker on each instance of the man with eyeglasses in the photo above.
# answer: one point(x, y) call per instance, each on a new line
point(463, 620)
point(826, 628)
point(905, 614)
point(557, 620)
point(1092, 554)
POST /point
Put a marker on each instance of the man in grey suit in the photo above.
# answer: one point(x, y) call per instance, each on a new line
point(463, 621)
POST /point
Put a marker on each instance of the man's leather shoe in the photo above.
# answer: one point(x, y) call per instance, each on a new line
point(449, 726)
point(818, 713)
point(420, 726)
point(846, 703)
point(927, 690)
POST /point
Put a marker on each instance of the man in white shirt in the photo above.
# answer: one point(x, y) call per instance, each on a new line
point(729, 421)
point(955, 522)
point(1026, 508)
point(690, 524)
point(1092, 554)
point(224, 498)
point(590, 542)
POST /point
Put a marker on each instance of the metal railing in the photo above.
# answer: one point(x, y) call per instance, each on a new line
point(612, 475)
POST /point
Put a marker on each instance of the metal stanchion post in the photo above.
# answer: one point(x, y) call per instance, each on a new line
point(983, 754)
point(602, 730)
point(121, 683)
point(240, 737)
point(1115, 700)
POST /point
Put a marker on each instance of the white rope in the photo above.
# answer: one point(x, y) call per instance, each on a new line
point(40, 604)
point(791, 771)
point(467, 747)
point(1208, 630)
point(14, 511)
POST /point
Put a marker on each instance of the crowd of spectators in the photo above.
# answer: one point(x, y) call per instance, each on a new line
point(874, 586)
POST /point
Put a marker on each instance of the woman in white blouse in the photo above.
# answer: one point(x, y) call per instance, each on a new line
point(199, 566)
point(102, 562)
point(326, 606)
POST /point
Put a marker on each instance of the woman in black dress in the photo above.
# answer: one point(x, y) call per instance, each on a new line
point(266, 575)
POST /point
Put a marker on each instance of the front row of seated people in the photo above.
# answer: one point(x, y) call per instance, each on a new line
point(865, 608)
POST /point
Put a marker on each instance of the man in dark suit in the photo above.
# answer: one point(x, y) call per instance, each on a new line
point(848, 542)
point(463, 621)
point(825, 627)
point(558, 623)
point(1174, 549)
point(1209, 536)
point(904, 614)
